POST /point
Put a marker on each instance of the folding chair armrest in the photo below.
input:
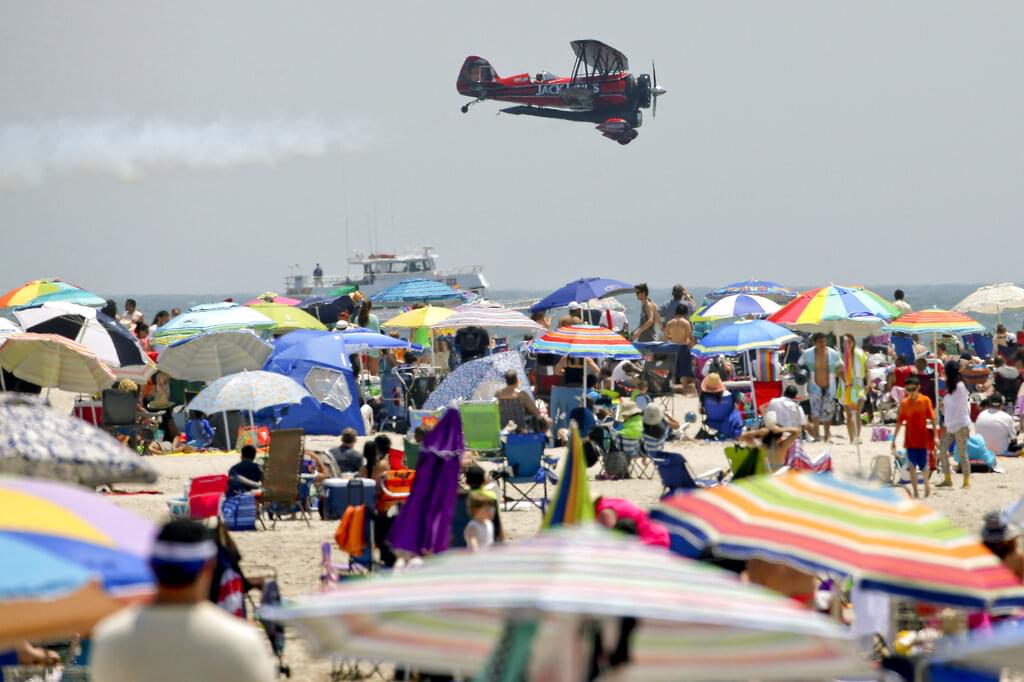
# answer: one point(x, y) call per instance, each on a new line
point(717, 472)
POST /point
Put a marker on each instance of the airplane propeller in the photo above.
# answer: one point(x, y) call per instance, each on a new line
point(656, 92)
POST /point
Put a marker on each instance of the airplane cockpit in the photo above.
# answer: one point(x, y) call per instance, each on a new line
point(545, 76)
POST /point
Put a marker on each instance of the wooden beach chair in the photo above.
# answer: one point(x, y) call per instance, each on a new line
point(283, 479)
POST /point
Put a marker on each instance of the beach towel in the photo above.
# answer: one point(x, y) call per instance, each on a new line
point(798, 459)
point(349, 534)
point(855, 368)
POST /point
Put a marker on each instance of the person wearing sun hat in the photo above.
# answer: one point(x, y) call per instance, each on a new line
point(631, 417)
point(721, 414)
point(658, 426)
point(712, 383)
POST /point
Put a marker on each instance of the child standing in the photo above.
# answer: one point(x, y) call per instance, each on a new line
point(479, 531)
point(916, 411)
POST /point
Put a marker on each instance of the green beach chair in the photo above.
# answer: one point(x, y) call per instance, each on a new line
point(746, 461)
point(412, 453)
point(481, 425)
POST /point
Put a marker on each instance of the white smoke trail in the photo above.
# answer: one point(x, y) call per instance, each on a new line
point(31, 151)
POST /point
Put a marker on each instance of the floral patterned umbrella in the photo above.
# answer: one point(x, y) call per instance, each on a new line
point(248, 391)
point(38, 441)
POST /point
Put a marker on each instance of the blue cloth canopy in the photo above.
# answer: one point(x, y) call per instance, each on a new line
point(417, 291)
point(581, 291)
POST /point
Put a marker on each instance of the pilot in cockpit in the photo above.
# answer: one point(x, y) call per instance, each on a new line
point(545, 76)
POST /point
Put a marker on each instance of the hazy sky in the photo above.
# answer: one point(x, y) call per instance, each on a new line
point(190, 147)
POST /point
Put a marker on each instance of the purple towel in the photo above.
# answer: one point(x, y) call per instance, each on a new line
point(424, 522)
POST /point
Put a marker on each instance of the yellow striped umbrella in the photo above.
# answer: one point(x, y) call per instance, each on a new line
point(53, 361)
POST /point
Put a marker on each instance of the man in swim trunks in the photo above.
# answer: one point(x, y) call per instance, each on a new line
point(679, 331)
point(821, 361)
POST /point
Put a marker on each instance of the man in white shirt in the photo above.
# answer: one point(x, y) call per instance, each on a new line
point(181, 635)
point(787, 411)
point(996, 427)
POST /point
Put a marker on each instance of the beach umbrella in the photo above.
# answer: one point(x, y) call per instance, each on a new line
point(879, 537)
point(736, 305)
point(211, 318)
point(103, 335)
point(40, 290)
point(287, 318)
point(585, 341)
point(53, 361)
point(272, 297)
point(417, 291)
point(327, 308)
point(570, 503)
point(478, 379)
point(212, 355)
point(490, 316)
point(993, 300)
point(70, 559)
point(248, 391)
point(38, 441)
point(360, 342)
point(754, 287)
point(322, 348)
point(836, 309)
point(427, 316)
point(742, 336)
point(935, 322)
point(8, 327)
point(343, 290)
point(695, 622)
point(581, 290)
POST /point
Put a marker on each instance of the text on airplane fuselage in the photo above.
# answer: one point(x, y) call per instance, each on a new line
point(556, 88)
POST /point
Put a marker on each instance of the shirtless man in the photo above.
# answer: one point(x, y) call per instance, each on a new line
point(575, 316)
point(679, 330)
point(821, 361)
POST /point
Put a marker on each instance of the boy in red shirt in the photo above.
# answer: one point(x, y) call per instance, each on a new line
point(916, 411)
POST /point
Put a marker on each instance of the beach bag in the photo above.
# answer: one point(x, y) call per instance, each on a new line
point(592, 453)
point(880, 434)
point(256, 436)
point(239, 512)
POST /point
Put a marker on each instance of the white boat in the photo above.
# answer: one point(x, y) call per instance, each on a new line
point(378, 271)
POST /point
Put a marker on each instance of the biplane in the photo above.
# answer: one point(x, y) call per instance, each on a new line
point(600, 90)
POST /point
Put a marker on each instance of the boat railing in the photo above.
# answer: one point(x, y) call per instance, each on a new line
point(464, 270)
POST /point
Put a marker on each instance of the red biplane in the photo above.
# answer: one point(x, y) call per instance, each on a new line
point(600, 90)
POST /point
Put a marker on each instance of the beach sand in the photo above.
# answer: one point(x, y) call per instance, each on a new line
point(294, 550)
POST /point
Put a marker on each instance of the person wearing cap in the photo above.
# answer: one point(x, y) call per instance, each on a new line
point(180, 635)
point(776, 439)
point(997, 427)
point(997, 536)
point(575, 315)
point(916, 412)
point(658, 426)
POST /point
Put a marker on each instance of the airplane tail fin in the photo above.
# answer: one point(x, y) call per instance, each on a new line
point(475, 71)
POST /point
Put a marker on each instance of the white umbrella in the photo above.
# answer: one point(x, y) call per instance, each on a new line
point(106, 337)
point(212, 355)
point(247, 391)
point(489, 315)
point(993, 300)
point(38, 441)
point(53, 361)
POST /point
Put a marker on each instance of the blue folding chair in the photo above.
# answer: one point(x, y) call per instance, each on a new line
point(903, 345)
point(675, 474)
point(722, 416)
point(526, 469)
point(564, 399)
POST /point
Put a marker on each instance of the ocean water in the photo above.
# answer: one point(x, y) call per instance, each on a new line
point(920, 296)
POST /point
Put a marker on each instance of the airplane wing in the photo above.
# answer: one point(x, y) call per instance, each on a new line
point(544, 112)
point(600, 57)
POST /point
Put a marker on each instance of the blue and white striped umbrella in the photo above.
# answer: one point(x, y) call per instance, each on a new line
point(742, 336)
point(417, 291)
point(248, 392)
point(40, 442)
point(210, 356)
point(736, 305)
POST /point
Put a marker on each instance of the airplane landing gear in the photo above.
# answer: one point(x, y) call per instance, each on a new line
point(465, 107)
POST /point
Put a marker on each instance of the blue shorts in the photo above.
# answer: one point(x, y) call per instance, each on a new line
point(918, 457)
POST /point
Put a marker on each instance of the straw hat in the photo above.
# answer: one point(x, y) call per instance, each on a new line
point(628, 409)
point(654, 414)
point(712, 383)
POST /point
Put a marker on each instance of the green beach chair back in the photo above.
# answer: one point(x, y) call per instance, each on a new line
point(412, 453)
point(746, 461)
point(481, 425)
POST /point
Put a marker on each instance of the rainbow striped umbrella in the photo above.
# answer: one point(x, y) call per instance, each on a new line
point(42, 290)
point(817, 523)
point(585, 341)
point(695, 622)
point(70, 558)
point(571, 505)
point(836, 309)
point(935, 321)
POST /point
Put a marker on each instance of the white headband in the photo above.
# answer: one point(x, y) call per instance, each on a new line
point(180, 551)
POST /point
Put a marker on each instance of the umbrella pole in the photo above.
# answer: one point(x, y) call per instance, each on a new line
point(3, 384)
point(227, 436)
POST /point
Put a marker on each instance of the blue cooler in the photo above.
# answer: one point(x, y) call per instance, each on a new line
point(342, 493)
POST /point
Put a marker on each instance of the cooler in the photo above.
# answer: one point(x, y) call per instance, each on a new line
point(342, 493)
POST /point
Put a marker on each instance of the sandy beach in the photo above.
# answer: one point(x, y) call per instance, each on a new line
point(294, 550)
